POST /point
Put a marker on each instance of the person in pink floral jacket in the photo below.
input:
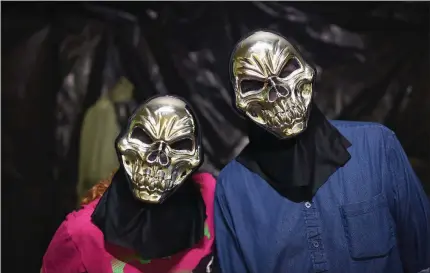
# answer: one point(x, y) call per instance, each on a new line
point(155, 215)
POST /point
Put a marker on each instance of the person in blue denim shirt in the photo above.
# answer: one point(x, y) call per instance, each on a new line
point(312, 195)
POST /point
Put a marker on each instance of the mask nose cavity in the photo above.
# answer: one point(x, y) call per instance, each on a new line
point(163, 159)
point(276, 89)
point(272, 94)
point(159, 155)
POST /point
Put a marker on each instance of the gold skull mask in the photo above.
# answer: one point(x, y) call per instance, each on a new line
point(160, 148)
point(272, 83)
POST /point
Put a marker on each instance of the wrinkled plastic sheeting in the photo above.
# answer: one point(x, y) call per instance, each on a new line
point(26, 141)
point(45, 71)
point(372, 62)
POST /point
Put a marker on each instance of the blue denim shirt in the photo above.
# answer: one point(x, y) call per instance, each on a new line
point(371, 216)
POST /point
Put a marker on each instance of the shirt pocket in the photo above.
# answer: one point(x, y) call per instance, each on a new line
point(369, 228)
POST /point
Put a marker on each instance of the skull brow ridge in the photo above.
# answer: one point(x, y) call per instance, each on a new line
point(279, 53)
point(169, 127)
point(180, 131)
point(260, 65)
point(250, 65)
point(150, 120)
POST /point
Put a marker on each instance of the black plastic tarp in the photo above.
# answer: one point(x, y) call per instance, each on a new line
point(57, 59)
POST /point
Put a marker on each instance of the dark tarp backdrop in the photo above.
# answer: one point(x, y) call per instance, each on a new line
point(57, 59)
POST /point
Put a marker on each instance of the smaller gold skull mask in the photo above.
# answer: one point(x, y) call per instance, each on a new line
point(272, 83)
point(160, 148)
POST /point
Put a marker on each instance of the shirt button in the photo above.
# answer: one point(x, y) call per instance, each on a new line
point(308, 205)
point(316, 244)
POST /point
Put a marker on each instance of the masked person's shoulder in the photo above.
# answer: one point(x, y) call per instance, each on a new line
point(232, 174)
point(361, 130)
point(79, 223)
point(76, 233)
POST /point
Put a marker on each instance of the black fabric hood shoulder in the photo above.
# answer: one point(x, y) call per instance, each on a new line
point(152, 230)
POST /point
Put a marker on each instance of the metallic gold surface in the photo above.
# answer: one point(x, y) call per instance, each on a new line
point(159, 149)
point(272, 83)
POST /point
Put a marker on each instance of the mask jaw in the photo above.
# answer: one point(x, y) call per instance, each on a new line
point(160, 148)
point(272, 84)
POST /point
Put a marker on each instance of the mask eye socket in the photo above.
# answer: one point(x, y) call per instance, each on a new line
point(141, 135)
point(291, 66)
point(185, 144)
point(251, 85)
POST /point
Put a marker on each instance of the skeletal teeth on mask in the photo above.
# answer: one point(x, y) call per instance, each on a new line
point(169, 184)
point(277, 121)
point(154, 180)
point(152, 185)
point(137, 176)
point(161, 174)
point(174, 175)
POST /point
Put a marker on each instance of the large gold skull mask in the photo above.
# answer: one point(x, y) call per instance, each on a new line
point(272, 83)
point(160, 148)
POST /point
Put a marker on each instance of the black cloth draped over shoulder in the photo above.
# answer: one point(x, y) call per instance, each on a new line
point(152, 230)
point(296, 168)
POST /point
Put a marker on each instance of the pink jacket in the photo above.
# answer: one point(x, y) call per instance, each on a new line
point(78, 245)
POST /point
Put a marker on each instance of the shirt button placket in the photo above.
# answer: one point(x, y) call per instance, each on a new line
point(313, 228)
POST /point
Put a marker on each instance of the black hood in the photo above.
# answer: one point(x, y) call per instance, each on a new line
point(152, 230)
point(297, 167)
